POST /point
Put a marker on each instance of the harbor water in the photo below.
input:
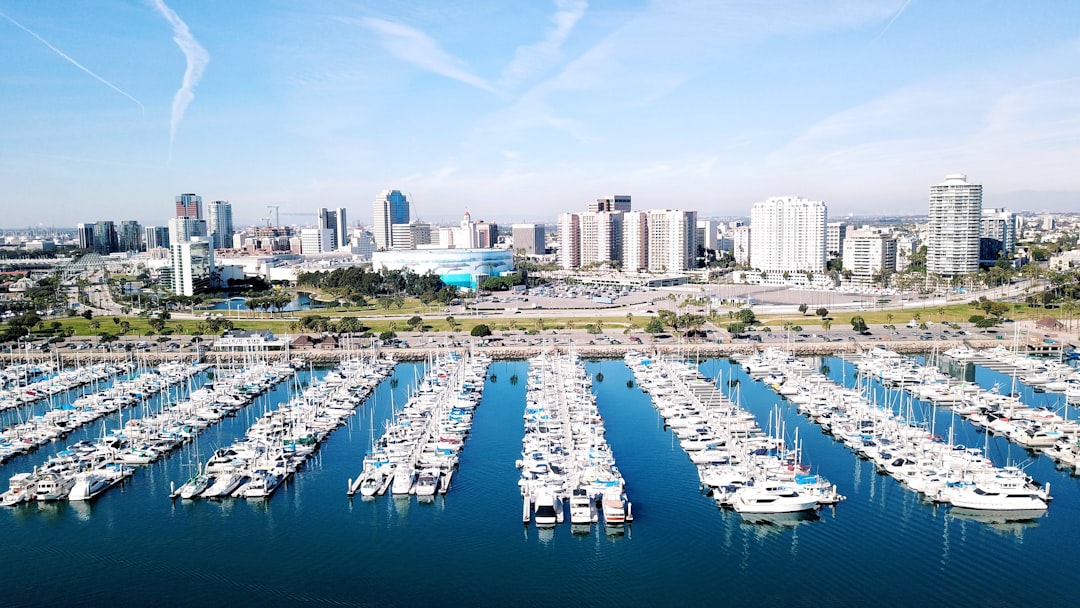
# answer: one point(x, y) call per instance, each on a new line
point(311, 544)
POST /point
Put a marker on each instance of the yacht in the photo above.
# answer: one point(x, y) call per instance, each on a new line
point(771, 498)
point(89, 484)
point(22, 487)
point(547, 510)
point(997, 495)
point(582, 508)
point(614, 504)
point(53, 486)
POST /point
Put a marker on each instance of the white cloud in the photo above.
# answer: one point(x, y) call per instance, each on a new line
point(532, 59)
point(416, 47)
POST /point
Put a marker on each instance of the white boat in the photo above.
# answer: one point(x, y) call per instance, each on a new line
point(370, 485)
point(997, 495)
point(582, 508)
point(771, 497)
point(404, 476)
point(225, 483)
point(195, 486)
point(614, 505)
point(21, 488)
point(547, 510)
point(53, 486)
point(89, 484)
point(427, 482)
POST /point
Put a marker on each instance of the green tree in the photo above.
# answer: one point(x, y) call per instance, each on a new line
point(822, 312)
point(858, 324)
point(654, 326)
point(480, 330)
point(803, 308)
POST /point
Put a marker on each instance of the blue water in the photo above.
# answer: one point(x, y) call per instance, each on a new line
point(310, 544)
point(300, 302)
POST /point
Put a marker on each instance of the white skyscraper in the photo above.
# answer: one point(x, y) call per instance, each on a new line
point(220, 224)
point(672, 240)
point(788, 235)
point(635, 255)
point(390, 207)
point(192, 265)
point(569, 240)
point(952, 246)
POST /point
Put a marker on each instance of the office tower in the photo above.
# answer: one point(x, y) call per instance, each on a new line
point(335, 220)
point(86, 236)
point(192, 266)
point(611, 202)
point(529, 239)
point(316, 240)
point(788, 235)
point(220, 224)
point(708, 234)
point(390, 207)
point(411, 235)
point(189, 205)
point(672, 240)
point(105, 241)
point(156, 236)
point(868, 252)
point(183, 229)
point(487, 234)
point(129, 236)
point(952, 246)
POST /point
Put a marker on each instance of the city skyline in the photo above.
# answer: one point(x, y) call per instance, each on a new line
point(517, 113)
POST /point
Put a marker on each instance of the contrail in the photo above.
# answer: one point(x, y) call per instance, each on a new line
point(889, 24)
point(197, 58)
point(73, 62)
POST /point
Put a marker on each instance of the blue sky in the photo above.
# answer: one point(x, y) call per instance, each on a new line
point(516, 111)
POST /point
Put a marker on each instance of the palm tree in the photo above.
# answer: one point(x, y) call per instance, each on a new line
point(827, 324)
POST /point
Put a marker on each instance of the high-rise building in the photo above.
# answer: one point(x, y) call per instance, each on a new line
point(834, 239)
point(635, 254)
point(86, 236)
point(192, 266)
point(672, 240)
point(997, 235)
point(316, 240)
point(156, 236)
point(868, 252)
point(335, 220)
point(611, 202)
point(529, 239)
point(183, 229)
point(487, 234)
point(788, 235)
point(390, 207)
point(129, 236)
point(411, 235)
point(220, 224)
point(105, 241)
point(952, 246)
point(740, 244)
point(569, 240)
point(708, 233)
point(189, 205)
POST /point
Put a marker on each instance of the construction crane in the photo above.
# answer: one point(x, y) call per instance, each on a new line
point(277, 213)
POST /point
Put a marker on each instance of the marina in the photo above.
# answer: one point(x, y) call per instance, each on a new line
point(363, 552)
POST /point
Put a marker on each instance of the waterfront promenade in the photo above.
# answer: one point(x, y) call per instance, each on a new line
point(521, 352)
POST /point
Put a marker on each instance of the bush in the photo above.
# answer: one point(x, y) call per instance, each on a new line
point(387, 335)
point(480, 331)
